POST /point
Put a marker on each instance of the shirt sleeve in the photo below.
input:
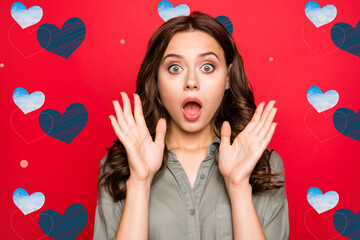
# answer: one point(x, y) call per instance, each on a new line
point(276, 216)
point(107, 213)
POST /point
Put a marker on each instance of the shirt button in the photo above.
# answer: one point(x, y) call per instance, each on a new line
point(192, 211)
point(202, 176)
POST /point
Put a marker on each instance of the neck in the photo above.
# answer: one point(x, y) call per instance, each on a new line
point(177, 138)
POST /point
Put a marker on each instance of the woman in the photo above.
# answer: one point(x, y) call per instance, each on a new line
point(192, 161)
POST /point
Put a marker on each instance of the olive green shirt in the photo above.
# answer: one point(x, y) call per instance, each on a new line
point(179, 212)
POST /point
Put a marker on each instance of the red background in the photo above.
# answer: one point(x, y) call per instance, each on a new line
point(314, 153)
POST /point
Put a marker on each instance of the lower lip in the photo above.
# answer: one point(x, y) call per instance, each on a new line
point(192, 117)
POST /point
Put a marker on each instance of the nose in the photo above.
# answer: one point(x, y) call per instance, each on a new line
point(191, 81)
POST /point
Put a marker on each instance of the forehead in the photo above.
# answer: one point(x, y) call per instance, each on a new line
point(193, 42)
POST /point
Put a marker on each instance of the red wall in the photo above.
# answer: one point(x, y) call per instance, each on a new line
point(284, 55)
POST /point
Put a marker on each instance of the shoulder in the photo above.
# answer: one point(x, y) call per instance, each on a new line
point(276, 163)
point(277, 167)
point(269, 197)
point(274, 209)
point(102, 161)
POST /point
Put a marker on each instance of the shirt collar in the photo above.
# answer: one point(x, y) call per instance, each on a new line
point(214, 146)
point(212, 149)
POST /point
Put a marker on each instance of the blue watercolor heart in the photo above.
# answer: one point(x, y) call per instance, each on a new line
point(26, 17)
point(320, 16)
point(166, 10)
point(66, 227)
point(346, 37)
point(64, 127)
point(65, 41)
point(28, 204)
point(322, 102)
point(225, 21)
point(322, 203)
point(347, 223)
point(28, 103)
point(347, 122)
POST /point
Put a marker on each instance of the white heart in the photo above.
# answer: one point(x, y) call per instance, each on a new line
point(322, 203)
point(28, 103)
point(320, 16)
point(166, 10)
point(26, 17)
point(320, 101)
point(28, 204)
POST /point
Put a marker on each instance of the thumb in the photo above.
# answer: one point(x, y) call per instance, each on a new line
point(160, 132)
point(225, 134)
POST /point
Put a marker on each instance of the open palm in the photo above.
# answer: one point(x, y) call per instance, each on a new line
point(237, 161)
point(144, 155)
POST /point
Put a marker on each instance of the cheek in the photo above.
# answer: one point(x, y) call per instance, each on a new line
point(167, 95)
point(216, 94)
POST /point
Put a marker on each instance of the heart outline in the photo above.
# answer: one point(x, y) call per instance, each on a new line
point(32, 219)
point(312, 49)
point(313, 133)
point(326, 218)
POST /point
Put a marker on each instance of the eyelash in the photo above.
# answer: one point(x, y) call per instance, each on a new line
point(203, 65)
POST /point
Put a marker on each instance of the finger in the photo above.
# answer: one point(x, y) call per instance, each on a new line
point(160, 132)
point(264, 116)
point(225, 134)
point(267, 123)
point(127, 109)
point(255, 118)
point(120, 117)
point(138, 113)
point(119, 133)
point(266, 140)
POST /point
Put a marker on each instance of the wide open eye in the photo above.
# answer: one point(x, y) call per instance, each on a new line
point(175, 68)
point(208, 68)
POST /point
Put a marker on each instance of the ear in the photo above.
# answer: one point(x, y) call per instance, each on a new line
point(227, 76)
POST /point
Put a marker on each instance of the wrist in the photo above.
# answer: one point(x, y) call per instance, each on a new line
point(243, 188)
point(135, 183)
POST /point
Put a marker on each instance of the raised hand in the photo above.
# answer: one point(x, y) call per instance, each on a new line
point(237, 161)
point(144, 155)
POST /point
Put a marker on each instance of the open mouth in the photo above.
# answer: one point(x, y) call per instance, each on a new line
point(192, 108)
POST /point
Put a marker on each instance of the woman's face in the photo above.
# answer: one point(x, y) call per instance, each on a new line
point(193, 65)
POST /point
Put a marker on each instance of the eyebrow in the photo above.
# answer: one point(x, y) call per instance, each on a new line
point(181, 57)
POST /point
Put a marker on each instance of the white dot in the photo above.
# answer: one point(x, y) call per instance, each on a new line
point(1, 65)
point(271, 59)
point(24, 163)
point(122, 41)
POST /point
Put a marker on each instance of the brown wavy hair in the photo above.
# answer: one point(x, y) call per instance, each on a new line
point(237, 107)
